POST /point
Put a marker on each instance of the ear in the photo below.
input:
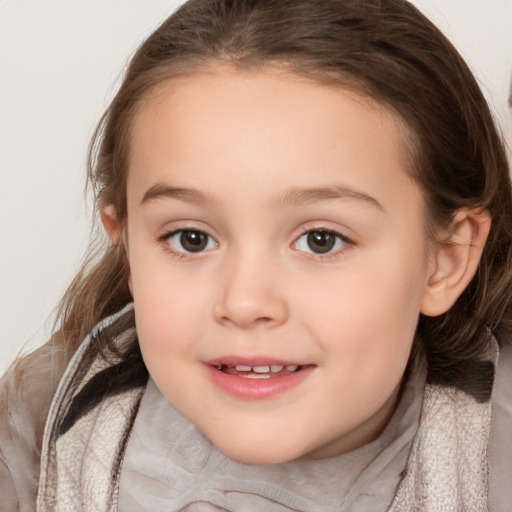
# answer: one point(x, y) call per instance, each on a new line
point(109, 220)
point(115, 232)
point(455, 260)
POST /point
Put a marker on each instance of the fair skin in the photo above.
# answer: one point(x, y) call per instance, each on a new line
point(272, 222)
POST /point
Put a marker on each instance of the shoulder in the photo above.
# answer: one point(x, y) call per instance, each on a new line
point(26, 391)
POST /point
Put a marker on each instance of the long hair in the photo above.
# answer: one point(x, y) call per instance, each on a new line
point(385, 50)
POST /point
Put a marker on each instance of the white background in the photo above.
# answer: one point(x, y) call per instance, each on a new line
point(59, 64)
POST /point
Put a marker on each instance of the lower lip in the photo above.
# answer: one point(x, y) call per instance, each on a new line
point(257, 389)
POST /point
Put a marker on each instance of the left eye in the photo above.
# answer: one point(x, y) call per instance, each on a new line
point(320, 242)
point(190, 240)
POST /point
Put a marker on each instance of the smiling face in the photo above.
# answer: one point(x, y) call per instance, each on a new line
point(277, 259)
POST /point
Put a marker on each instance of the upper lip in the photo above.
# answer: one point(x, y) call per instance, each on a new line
point(251, 361)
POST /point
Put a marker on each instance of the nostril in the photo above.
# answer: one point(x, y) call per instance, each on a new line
point(264, 319)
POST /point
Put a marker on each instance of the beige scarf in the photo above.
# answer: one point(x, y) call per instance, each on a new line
point(447, 469)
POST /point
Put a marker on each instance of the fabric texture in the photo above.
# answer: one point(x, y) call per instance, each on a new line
point(26, 391)
point(80, 468)
point(447, 470)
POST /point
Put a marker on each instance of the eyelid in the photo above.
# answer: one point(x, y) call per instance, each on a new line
point(181, 254)
point(348, 243)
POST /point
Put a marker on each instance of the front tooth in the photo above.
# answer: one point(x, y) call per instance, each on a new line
point(276, 368)
point(242, 368)
point(291, 368)
point(261, 369)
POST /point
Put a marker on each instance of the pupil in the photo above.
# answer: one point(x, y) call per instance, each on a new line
point(193, 241)
point(321, 241)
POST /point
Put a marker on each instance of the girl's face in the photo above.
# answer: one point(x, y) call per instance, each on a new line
point(278, 260)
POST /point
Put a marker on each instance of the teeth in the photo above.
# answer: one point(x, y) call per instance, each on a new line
point(261, 369)
point(274, 368)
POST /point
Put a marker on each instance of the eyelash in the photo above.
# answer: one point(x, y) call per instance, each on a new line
point(345, 242)
point(165, 240)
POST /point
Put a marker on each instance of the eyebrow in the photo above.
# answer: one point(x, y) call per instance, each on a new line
point(302, 196)
point(291, 197)
point(160, 191)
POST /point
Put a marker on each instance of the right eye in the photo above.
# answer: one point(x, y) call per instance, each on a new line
point(189, 241)
point(321, 241)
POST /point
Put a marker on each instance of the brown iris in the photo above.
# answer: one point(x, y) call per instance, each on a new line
point(321, 241)
point(193, 241)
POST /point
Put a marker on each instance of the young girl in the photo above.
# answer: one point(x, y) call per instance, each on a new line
point(305, 300)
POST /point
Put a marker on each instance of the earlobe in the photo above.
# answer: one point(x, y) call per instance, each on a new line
point(455, 260)
point(109, 220)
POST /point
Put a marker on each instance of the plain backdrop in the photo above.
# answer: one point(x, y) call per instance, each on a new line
point(60, 62)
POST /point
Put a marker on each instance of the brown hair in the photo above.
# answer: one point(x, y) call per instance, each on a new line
point(386, 50)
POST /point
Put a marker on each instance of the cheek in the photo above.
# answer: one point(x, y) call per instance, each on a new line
point(169, 306)
point(167, 321)
point(168, 328)
point(367, 317)
point(381, 297)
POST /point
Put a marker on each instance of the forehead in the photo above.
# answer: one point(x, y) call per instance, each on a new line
point(258, 123)
point(223, 86)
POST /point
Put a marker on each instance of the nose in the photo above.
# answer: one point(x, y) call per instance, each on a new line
point(251, 294)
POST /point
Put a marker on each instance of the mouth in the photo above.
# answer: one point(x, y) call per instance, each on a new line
point(257, 379)
point(268, 371)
